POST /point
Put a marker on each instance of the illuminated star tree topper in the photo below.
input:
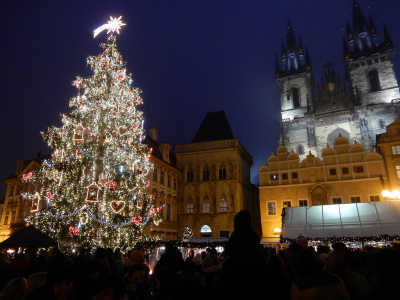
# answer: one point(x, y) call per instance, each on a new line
point(114, 25)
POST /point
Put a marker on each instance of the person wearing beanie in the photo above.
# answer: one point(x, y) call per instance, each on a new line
point(59, 282)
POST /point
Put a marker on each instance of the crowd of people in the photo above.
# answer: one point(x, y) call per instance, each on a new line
point(244, 270)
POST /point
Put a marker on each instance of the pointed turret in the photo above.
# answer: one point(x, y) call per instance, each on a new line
point(372, 27)
point(346, 51)
point(307, 63)
point(301, 50)
point(350, 39)
point(388, 41)
point(277, 67)
point(360, 24)
point(283, 52)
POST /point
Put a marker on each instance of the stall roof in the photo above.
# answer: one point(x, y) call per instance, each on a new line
point(206, 239)
point(342, 220)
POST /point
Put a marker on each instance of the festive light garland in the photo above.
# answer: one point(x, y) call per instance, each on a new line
point(98, 160)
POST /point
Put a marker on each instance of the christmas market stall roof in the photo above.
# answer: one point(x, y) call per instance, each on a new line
point(365, 221)
point(28, 237)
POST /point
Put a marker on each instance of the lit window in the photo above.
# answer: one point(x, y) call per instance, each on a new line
point(374, 198)
point(396, 150)
point(206, 206)
point(300, 150)
point(189, 207)
point(355, 199)
point(274, 176)
point(222, 172)
point(336, 200)
point(271, 208)
point(302, 202)
point(223, 205)
point(287, 203)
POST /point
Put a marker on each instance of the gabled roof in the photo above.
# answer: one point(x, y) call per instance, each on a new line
point(214, 127)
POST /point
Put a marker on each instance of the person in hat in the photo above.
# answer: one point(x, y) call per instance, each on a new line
point(137, 257)
point(59, 282)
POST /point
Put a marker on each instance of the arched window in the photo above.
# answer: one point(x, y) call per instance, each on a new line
point(222, 172)
point(300, 150)
point(296, 97)
point(206, 206)
point(190, 175)
point(223, 205)
point(206, 174)
point(189, 207)
point(373, 78)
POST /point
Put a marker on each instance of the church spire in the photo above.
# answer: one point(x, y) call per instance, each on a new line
point(346, 51)
point(388, 41)
point(277, 67)
point(359, 21)
point(301, 50)
point(372, 26)
point(283, 52)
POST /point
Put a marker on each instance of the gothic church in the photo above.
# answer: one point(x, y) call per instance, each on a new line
point(357, 107)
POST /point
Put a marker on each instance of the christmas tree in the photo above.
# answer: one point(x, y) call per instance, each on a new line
point(93, 186)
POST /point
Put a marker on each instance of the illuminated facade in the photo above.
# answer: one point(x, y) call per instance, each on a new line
point(15, 209)
point(343, 174)
point(358, 107)
point(164, 185)
point(215, 181)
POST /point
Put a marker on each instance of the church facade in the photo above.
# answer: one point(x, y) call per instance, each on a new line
point(358, 106)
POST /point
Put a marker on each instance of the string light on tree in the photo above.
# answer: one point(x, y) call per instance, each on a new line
point(93, 184)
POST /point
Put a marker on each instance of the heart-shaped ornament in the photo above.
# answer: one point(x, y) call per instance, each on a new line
point(117, 206)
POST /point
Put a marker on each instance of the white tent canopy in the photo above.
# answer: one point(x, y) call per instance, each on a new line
point(343, 220)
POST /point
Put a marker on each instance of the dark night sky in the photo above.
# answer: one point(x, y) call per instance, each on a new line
point(189, 57)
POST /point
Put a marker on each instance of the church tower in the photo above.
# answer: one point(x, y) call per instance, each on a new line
point(368, 64)
point(296, 84)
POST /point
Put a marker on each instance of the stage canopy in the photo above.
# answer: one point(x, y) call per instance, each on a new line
point(368, 219)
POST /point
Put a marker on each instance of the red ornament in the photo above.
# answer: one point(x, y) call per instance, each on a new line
point(90, 233)
point(137, 220)
point(114, 134)
point(139, 233)
point(121, 147)
point(27, 176)
point(93, 136)
point(48, 131)
point(57, 135)
point(114, 113)
point(104, 137)
point(74, 230)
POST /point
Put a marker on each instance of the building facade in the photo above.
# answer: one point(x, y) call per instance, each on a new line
point(15, 208)
point(164, 186)
point(358, 106)
point(215, 180)
point(343, 174)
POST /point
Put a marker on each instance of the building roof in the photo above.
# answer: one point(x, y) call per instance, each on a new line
point(157, 153)
point(214, 127)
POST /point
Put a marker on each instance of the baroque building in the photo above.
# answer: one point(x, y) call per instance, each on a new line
point(163, 186)
point(15, 208)
point(359, 106)
point(215, 181)
point(343, 174)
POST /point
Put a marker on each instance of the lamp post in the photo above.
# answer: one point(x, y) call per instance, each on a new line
point(394, 195)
